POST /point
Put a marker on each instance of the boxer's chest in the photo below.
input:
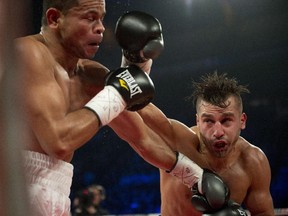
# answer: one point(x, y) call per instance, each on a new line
point(72, 88)
point(233, 174)
point(237, 180)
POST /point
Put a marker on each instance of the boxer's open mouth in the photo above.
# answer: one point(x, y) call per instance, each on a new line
point(219, 144)
point(94, 44)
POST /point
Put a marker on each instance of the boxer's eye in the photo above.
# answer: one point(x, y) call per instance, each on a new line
point(91, 18)
point(208, 120)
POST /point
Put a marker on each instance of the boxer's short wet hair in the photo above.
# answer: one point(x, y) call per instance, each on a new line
point(61, 5)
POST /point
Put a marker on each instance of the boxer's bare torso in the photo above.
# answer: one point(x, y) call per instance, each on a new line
point(69, 89)
point(244, 168)
point(234, 170)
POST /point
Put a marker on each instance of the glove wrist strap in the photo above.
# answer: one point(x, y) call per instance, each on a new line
point(107, 104)
point(187, 171)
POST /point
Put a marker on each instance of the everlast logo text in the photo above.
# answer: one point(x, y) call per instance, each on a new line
point(130, 81)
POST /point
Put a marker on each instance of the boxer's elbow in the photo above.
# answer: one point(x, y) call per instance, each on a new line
point(59, 148)
point(61, 153)
point(56, 139)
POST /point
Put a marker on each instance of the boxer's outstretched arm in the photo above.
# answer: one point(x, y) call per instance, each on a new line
point(130, 127)
point(152, 135)
point(154, 147)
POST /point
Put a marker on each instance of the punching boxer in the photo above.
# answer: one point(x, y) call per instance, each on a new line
point(214, 143)
point(68, 97)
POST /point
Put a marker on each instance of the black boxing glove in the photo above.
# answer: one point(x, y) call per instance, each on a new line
point(135, 86)
point(140, 36)
point(232, 209)
point(214, 193)
point(129, 88)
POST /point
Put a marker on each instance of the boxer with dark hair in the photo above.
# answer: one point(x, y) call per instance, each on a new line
point(214, 144)
point(67, 96)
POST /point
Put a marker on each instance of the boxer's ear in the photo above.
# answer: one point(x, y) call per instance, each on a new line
point(52, 16)
point(243, 120)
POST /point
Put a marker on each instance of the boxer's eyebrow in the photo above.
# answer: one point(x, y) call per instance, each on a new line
point(206, 115)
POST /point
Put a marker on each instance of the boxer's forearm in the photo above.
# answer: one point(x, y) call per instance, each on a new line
point(155, 119)
point(130, 127)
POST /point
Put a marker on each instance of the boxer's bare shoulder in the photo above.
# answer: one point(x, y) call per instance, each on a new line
point(251, 154)
point(35, 57)
point(32, 44)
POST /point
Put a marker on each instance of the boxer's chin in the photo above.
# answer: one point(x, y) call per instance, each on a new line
point(91, 52)
point(220, 154)
point(220, 149)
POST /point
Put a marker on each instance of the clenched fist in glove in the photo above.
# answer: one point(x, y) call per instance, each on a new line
point(210, 193)
point(140, 37)
point(125, 88)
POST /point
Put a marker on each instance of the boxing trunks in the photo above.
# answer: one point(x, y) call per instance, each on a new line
point(49, 181)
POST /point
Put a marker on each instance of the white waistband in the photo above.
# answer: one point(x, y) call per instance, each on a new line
point(48, 172)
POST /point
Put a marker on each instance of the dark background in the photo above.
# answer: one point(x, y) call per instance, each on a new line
point(246, 39)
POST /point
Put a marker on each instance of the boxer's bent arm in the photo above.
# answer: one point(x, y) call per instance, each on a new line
point(58, 131)
point(259, 200)
point(130, 127)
